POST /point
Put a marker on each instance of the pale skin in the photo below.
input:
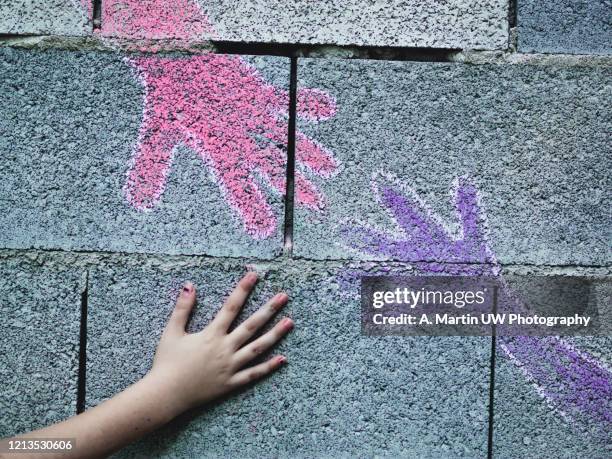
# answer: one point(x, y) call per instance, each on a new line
point(189, 369)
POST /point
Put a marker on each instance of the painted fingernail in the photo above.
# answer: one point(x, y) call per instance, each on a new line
point(188, 288)
point(281, 359)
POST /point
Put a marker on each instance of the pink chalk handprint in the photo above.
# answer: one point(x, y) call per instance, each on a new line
point(220, 107)
point(154, 19)
point(151, 19)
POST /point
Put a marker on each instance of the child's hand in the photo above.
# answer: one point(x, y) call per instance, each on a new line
point(198, 367)
point(188, 369)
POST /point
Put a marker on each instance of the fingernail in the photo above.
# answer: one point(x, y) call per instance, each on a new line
point(281, 359)
point(188, 288)
point(282, 297)
point(287, 323)
point(278, 301)
point(251, 277)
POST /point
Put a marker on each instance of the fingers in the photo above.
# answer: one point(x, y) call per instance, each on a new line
point(314, 156)
point(315, 105)
point(242, 191)
point(258, 371)
point(271, 163)
point(307, 152)
point(234, 302)
point(247, 329)
point(312, 104)
point(263, 343)
point(306, 193)
point(184, 305)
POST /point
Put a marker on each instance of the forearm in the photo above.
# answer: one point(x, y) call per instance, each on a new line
point(100, 431)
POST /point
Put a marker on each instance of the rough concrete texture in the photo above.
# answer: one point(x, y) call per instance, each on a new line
point(340, 395)
point(85, 169)
point(51, 17)
point(39, 322)
point(531, 139)
point(474, 24)
point(527, 424)
point(564, 26)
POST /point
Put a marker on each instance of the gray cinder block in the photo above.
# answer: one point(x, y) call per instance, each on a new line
point(74, 122)
point(564, 26)
point(473, 24)
point(531, 139)
point(341, 393)
point(40, 312)
point(51, 17)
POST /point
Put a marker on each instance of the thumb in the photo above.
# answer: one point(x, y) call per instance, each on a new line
point(184, 305)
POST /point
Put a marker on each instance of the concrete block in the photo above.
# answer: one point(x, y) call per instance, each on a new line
point(553, 398)
point(93, 162)
point(474, 24)
point(341, 394)
point(40, 312)
point(529, 141)
point(51, 17)
point(566, 26)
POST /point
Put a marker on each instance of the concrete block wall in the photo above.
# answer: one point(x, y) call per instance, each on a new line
point(428, 123)
point(567, 26)
point(54, 17)
point(478, 24)
point(349, 403)
point(41, 314)
point(75, 119)
point(149, 143)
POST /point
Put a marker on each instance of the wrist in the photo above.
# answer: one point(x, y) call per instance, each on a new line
point(162, 395)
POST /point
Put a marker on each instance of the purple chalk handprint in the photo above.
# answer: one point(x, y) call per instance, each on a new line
point(574, 384)
point(421, 236)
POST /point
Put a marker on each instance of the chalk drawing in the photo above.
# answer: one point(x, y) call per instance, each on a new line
point(151, 19)
point(154, 19)
point(573, 383)
point(420, 234)
point(220, 107)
